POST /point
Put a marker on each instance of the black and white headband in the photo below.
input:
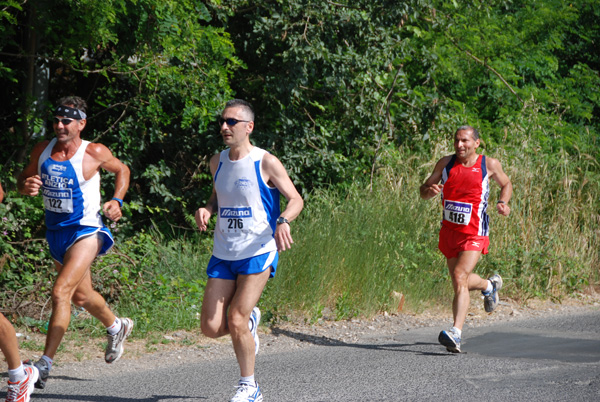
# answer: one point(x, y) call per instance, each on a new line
point(71, 112)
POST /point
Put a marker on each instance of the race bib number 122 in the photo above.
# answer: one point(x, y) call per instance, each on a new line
point(58, 200)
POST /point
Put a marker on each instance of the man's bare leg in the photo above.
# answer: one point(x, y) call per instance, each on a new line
point(248, 292)
point(463, 281)
point(8, 343)
point(74, 283)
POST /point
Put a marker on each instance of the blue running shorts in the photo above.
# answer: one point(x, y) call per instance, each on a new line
point(224, 269)
point(61, 240)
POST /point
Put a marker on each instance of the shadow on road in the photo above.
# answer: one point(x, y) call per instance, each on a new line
point(326, 341)
point(112, 398)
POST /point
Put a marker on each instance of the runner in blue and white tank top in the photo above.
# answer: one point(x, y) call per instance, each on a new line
point(248, 208)
point(66, 171)
point(70, 201)
point(249, 232)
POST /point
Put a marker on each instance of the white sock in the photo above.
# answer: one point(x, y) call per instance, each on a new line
point(115, 328)
point(456, 331)
point(248, 380)
point(489, 288)
point(17, 375)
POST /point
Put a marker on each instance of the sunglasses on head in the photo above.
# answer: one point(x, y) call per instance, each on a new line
point(65, 121)
point(231, 122)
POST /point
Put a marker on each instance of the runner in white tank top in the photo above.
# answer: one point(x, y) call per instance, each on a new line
point(248, 208)
point(248, 235)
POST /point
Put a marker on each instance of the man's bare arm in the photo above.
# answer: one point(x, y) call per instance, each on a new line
point(431, 187)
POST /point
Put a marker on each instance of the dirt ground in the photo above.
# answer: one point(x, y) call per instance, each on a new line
point(184, 345)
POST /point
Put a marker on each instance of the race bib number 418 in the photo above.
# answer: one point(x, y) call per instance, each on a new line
point(457, 212)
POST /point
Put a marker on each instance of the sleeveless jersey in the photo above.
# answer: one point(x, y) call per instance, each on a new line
point(69, 199)
point(248, 208)
point(464, 197)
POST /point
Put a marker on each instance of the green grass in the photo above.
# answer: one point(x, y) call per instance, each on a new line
point(353, 250)
point(356, 251)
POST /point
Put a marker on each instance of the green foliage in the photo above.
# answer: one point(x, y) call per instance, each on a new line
point(356, 252)
point(353, 97)
point(154, 73)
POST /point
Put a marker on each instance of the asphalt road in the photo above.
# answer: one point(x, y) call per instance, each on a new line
point(541, 359)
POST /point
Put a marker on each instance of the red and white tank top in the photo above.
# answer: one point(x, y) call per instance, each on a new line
point(464, 197)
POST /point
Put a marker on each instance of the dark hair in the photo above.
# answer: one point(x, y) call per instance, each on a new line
point(73, 101)
point(473, 130)
point(243, 104)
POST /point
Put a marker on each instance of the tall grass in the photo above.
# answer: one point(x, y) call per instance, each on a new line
point(368, 250)
point(355, 252)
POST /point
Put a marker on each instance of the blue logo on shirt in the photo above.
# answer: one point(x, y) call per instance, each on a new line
point(456, 206)
point(244, 212)
point(243, 183)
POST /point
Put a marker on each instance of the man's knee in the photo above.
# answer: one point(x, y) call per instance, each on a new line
point(211, 330)
point(237, 321)
point(61, 293)
point(80, 299)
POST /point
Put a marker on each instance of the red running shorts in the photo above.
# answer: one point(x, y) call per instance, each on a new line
point(452, 242)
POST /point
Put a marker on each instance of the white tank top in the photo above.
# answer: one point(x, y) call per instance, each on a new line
point(69, 199)
point(248, 208)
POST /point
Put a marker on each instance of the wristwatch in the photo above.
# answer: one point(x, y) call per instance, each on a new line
point(281, 220)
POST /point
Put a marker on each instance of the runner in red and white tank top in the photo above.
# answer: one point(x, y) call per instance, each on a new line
point(462, 180)
point(464, 197)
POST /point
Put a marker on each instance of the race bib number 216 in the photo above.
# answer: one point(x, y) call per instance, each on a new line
point(235, 219)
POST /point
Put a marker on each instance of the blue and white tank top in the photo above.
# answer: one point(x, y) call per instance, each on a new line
point(69, 199)
point(248, 208)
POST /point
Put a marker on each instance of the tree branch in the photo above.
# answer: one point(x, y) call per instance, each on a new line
point(486, 65)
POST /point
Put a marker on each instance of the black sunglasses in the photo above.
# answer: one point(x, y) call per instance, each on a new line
point(66, 121)
point(231, 122)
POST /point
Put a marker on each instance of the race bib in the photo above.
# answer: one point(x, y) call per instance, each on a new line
point(457, 212)
point(58, 200)
point(235, 219)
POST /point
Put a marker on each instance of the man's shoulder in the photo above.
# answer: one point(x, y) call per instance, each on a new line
point(445, 160)
point(96, 148)
point(492, 163)
point(40, 146)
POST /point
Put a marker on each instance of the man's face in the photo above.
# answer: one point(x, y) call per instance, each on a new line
point(464, 144)
point(70, 130)
point(238, 132)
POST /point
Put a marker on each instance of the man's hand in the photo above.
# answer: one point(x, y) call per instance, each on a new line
point(112, 210)
point(433, 190)
point(31, 185)
point(503, 209)
point(283, 237)
point(202, 216)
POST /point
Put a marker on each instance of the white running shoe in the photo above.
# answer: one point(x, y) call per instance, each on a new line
point(247, 393)
point(450, 340)
point(253, 325)
point(114, 347)
point(490, 300)
point(21, 391)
